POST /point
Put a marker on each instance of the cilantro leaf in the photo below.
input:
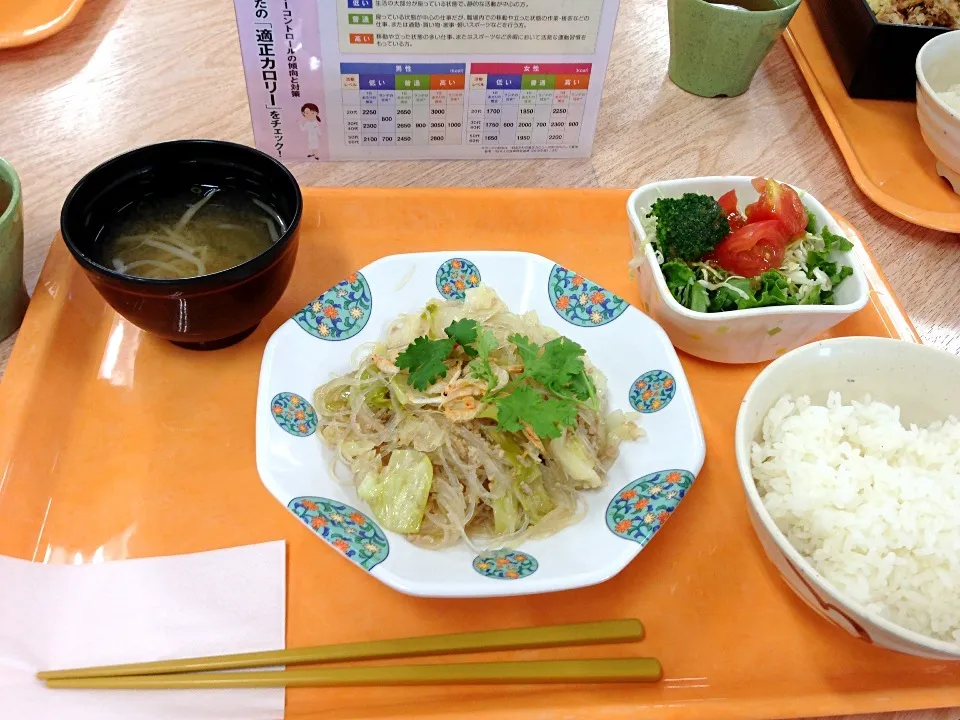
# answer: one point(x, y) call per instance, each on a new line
point(529, 350)
point(464, 333)
point(558, 366)
point(486, 344)
point(525, 406)
point(424, 358)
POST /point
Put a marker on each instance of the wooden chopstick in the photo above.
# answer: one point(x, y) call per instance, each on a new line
point(594, 633)
point(612, 670)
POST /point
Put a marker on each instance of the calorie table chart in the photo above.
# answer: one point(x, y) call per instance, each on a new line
point(527, 103)
point(396, 104)
point(425, 79)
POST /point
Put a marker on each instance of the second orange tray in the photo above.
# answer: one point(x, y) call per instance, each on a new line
point(114, 444)
point(879, 139)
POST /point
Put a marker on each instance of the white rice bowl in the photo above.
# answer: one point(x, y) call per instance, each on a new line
point(874, 506)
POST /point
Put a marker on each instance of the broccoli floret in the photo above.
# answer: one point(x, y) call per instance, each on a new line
point(689, 227)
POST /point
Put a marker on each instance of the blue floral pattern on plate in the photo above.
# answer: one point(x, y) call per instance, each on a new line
point(581, 302)
point(455, 277)
point(345, 529)
point(341, 312)
point(294, 414)
point(505, 565)
point(652, 391)
point(643, 506)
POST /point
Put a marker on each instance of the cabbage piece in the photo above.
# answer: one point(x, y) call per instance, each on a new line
point(352, 449)
point(506, 510)
point(421, 432)
point(377, 398)
point(623, 426)
point(398, 494)
point(527, 489)
point(573, 458)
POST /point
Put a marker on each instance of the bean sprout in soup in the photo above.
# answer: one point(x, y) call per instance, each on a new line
point(198, 232)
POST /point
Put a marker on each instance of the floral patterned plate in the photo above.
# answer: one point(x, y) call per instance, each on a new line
point(643, 488)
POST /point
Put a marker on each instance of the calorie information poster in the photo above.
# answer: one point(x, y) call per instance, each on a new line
point(425, 79)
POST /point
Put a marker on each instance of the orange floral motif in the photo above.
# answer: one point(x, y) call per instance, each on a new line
point(358, 518)
point(597, 298)
point(456, 264)
point(309, 504)
point(668, 383)
point(641, 504)
point(623, 526)
point(642, 385)
point(512, 574)
point(662, 516)
point(474, 279)
point(502, 561)
point(628, 494)
point(277, 410)
point(447, 288)
point(673, 477)
point(483, 566)
point(341, 545)
point(460, 285)
point(318, 522)
point(520, 558)
point(294, 401)
point(577, 280)
point(352, 278)
point(656, 404)
point(563, 302)
point(330, 312)
point(302, 428)
point(299, 415)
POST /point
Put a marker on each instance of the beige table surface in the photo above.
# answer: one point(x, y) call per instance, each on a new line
point(132, 72)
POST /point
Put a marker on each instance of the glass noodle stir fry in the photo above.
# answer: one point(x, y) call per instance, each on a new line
point(715, 259)
point(471, 423)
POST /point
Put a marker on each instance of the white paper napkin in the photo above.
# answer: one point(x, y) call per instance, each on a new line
point(211, 603)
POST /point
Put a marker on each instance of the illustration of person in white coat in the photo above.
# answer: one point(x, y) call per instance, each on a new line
point(311, 126)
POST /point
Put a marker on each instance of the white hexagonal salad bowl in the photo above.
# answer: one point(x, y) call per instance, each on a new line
point(645, 485)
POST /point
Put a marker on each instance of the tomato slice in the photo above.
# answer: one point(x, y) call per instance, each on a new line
point(753, 249)
point(730, 205)
point(778, 202)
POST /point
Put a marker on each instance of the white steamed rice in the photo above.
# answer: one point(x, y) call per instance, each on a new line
point(874, 506)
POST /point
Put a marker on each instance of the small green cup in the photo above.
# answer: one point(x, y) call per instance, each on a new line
point(13, 294)
point(716, 49)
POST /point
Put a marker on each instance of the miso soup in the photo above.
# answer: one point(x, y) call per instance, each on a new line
point(197, 232)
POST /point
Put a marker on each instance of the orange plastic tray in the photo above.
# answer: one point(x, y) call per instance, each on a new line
point(114, 444)
point(26, 22)
point(879, 139)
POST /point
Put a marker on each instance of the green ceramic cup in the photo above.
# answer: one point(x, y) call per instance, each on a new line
point(13, 294)
point(716, 49)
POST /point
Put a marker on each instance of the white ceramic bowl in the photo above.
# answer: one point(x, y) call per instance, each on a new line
point(938, 69)
point(856, 366)
point(643, 487)
point(738, 336)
